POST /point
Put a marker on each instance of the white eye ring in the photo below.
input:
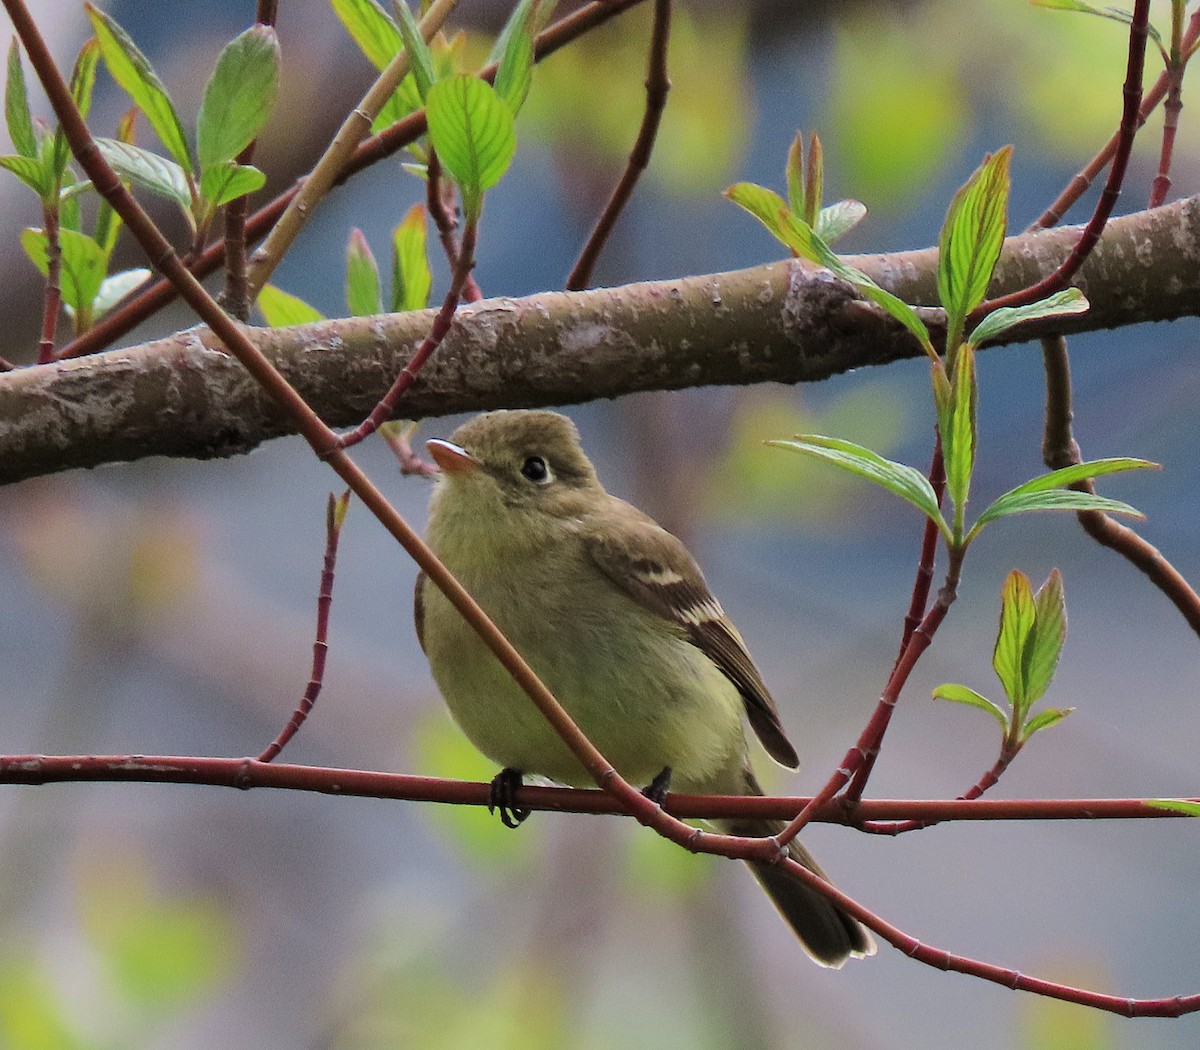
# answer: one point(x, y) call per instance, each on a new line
point(535, 469)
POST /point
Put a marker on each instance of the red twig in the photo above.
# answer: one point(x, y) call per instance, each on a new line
point(1132, 93)
point(985, 783)
point(916, 608)
point(658, 84)
point(335, 513)
point(235, 298)
point(437, 332)
point(53, 295)
point(399, 440)
point(1080, 182)
point(439, 202)
point(1176, 63)
point(375, 148)
point(247, 773)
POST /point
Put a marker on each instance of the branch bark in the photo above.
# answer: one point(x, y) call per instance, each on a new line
point(783, 322)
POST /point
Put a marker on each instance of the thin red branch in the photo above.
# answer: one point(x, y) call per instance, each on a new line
point(917, 605)
point(247, 773)
point(985, 783)
point(439, 202)
point(1132, 94)
point(1080, 182)
point(658, 84)
point(438, 331)
point(52, 300)
point(939, 958)
point(375, 148)
point(236, 297)
point(333, 530)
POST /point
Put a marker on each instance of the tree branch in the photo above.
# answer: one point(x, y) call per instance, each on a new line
point(783, 322)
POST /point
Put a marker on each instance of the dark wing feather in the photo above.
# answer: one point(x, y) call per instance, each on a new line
point(419, 609)
point(656, 571)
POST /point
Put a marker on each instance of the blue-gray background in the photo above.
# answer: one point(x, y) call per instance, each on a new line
point(166, 607)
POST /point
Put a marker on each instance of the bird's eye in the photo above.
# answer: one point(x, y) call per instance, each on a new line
point(535, 469)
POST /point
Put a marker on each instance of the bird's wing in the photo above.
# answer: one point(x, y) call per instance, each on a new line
point(419, 609)
point(655, 569)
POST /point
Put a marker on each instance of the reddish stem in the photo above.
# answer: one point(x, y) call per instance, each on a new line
point(1079, 183)
point(985, 783)
point(53, 293)
point(658, 84)
point(439, 202)
point(442, 323)
point(1132, 93)
point(333, 530)
point(916, 607)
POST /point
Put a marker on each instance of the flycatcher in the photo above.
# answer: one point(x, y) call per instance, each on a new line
point(613, 614)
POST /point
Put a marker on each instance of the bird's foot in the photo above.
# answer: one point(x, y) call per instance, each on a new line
point(657, 789)
point(504, 788)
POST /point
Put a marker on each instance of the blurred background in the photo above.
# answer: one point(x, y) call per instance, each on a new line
point(168, 606)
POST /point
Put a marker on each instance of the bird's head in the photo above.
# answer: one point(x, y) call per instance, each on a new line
point(519, 472)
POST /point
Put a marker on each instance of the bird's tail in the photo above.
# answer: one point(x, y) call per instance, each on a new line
point(828, 934)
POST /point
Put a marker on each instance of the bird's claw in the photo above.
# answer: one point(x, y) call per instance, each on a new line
point(656, 790)
point(504, 788)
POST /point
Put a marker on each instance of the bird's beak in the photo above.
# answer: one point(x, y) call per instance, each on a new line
point(451, 458)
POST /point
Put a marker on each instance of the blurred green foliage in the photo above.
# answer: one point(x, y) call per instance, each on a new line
point(750, 483)
point(588, 99)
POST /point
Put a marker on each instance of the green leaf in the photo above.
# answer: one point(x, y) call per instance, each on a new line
point(83, 80)
point(839, 218)
point(83, 264)
point(1046, 642)
point(362, 278)
point(909, 484)
point(1176, 805)
point(472, 131)
point(1046, 492)
point(1044, 720)
point(230, 180)
point(132, 70)
point(1094, 468)
point(148, 170)
point(420, 62)
point(794, 174)
point(83, 76)
point(513, 53)
point(16, 106)
point(764, 204)
point(239, 96)
point(30, 171)
point(971, 239)
point(1060, 304)
point(281, 310)
point(1017, 616)
point(958, 432)
point(113, 289)
point(372, 29)
point(411, 278)
point(960, 694)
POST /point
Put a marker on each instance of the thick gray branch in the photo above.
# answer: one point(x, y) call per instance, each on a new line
point(783, 322)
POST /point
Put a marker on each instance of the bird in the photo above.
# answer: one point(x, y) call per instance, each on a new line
point(614, 615)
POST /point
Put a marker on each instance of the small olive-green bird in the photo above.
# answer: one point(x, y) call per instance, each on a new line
point(613, 614)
